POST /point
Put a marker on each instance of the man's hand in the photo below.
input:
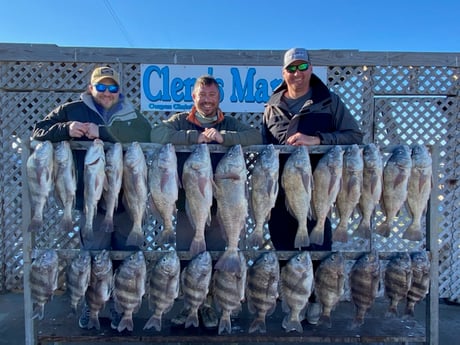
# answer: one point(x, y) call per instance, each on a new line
point(78, 129)
point(299, 139)
point(93, 131)
point(210, 135)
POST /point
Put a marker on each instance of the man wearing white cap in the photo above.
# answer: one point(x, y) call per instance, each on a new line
point(303, 111)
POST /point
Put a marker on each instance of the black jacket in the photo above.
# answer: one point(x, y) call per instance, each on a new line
point(324, 115)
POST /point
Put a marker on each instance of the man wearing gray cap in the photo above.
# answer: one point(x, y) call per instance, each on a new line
point(303, 111)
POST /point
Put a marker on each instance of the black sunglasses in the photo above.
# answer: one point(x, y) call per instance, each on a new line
point(103, 87)
point(302, 67)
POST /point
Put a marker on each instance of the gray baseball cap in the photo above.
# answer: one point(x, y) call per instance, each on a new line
point(295, 54)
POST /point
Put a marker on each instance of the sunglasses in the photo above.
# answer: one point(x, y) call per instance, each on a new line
point(103, 87)
point(302, 67)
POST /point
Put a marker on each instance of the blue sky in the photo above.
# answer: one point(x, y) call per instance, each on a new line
point(391, 25)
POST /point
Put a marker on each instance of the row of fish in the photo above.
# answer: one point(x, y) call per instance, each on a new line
point(406, 278)
point(354, 179)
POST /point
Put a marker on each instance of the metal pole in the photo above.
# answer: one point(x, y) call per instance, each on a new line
point(27, 248)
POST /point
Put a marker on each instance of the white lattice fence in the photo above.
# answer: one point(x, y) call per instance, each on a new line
point(393, 103)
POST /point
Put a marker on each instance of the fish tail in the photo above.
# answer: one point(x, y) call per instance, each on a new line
point(301, 238)
point(340, 234)
point(87, 233)
point(229, 262)
point(364, 229)
point(39, 311)
point(255, 239)
point(135, 237)
point(358, 321)
point(413, 232)
point(155, 322)
point(325, 320)
point(258, 325)
point(94, 322)
point(292, 325)
point(192, 319)
point(225, 324)
point(391, 312)
point(317, 234)
point(167, 236)
point(409, 311)
point(125, 323)
point(35, 224)
point(197, 246)
point(107, 225)
point(384, 229)
point(66, 224)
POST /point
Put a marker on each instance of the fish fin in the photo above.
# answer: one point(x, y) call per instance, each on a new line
point(197, 246)
point(317, 234)
point(384, 229)
point(107, 225)
point(135, 238)
point(356, 323)
point(94, 323)
point(301, 238)
point(363, 230)
point(292, 325)
point(225, 324)
point(258, 325)
point(255, 239)
point(125, 323)
point(167, 236)
point(340, 234)
point(325, 320)
point(155, 322)
point(35, 225)
point(39, 311)
point(192, 319)
point(413, 232)
point(229, 262)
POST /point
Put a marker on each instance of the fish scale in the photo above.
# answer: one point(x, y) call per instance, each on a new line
point(100, 286)
point(297, 182)
point(327, 178)
point(197, 180)
point(262, 290)
point(420, 284)
point(163, 287)
point(111, 191)
point(135, 191)
point(40, 181)
point(295, 289)
point(228, 291)
point(129, 287)
point(43, 280)
point(65, 182)
point(395, 179)
point(350, 190)
point(364, 285)
point(195, 282)
point(232, 204)
point(398, 278)
point(163, 182)
point(329, 284)
point(264, 190)
point(78, 278)
point(94, 179)
point(372, 188)
point(418, 190)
